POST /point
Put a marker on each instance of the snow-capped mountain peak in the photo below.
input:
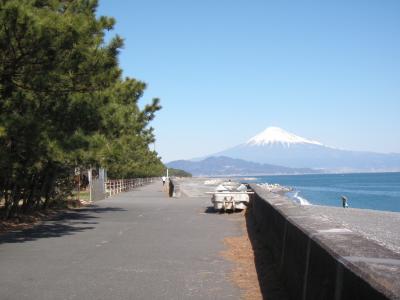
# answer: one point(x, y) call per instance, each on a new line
point(276, 135)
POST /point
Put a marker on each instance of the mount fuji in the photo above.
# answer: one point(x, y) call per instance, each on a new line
point(279, 147)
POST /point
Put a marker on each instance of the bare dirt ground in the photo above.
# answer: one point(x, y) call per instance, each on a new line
point(25, 221)
point(254, 271)
point(244, 274)
point(21, 222)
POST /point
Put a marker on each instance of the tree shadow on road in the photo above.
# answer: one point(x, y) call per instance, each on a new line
point(65, 223)
point(271, 286)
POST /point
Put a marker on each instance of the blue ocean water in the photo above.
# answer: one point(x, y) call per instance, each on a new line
point(379, 191)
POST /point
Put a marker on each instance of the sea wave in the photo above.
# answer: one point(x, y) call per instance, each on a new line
point(299, 199)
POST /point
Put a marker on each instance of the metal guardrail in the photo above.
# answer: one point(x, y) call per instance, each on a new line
point(116, 186)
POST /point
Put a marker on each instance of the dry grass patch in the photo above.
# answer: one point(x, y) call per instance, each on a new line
point(244, 275)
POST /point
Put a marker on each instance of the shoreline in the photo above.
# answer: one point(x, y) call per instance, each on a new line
point(376, 225)
point(373, 224)
point(378, 191)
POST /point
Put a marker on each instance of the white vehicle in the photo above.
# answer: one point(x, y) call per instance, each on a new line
point(230, 196)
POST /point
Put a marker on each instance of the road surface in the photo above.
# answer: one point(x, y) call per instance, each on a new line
point(136, 245)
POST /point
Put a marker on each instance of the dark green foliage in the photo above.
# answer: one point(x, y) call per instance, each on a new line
point(64, 104)
point(178, 173)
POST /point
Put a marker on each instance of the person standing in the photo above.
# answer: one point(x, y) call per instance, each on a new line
point(344, 202)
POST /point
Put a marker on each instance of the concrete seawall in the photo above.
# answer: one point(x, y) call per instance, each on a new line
point(318, 258)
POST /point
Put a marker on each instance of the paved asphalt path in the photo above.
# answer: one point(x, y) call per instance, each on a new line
point(136, 245)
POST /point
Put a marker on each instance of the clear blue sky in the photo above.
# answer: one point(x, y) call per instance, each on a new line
point(225, 70)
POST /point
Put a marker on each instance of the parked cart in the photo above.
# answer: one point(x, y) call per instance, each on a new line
point(230, 196)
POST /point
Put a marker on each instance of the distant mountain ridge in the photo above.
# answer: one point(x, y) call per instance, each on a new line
point(279, 147)
point(222, 165)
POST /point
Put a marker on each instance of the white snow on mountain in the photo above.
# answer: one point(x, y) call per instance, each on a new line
point(276, 135)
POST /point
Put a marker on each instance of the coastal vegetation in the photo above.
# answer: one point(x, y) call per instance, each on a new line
point(64, 103)
point(178, 173)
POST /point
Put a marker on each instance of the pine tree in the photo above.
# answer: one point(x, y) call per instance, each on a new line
point(63, 103)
